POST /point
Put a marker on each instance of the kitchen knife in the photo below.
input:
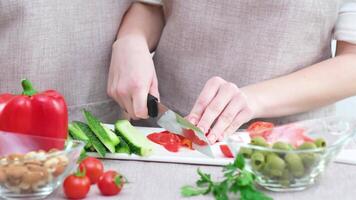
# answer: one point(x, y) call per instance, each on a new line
point(175, 123)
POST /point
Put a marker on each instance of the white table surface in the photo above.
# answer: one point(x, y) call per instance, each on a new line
point(162, 181)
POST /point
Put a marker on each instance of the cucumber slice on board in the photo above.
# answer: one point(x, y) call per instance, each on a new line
point(105, 135)
point(137, 142)
point(77, 134)
point(95, 142)
point(123, 147)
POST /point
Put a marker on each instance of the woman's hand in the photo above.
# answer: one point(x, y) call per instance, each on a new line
point(221, 108)
point(132, 76)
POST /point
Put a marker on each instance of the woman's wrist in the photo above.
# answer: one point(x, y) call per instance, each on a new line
point(253, 101)
point(134, 42)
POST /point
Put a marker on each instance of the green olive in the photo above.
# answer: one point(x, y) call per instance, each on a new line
point(274, 165)
point(286, 177)
point(281, 146)
point(246, 152)
point(309, 159)
point(259, 141)
point(307, 145)
point(320, 143)
point(258, 161)
point(295, 164)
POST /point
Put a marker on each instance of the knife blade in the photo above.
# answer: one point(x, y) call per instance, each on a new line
point(173, 122)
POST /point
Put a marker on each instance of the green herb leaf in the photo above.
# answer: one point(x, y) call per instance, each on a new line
point(237, 180)
point(240, 162)
point(245, 178)
point(251, 193)
point(220, 191)
point(188, 191)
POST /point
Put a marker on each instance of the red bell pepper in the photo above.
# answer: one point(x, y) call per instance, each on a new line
point(41, 114)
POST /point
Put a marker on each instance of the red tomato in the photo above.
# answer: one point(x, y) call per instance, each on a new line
point(260, 128)
point(111, 183)
point(226, 151)
point(93, 168)
point(76, 186)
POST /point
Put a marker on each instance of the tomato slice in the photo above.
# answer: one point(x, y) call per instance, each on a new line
point(187, 143)
point(170, 141)
point(260, 128)
point(172, 147)
point(189, 134)
point(226, 151)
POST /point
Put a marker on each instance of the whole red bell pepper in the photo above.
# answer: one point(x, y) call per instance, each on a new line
point(35, 113)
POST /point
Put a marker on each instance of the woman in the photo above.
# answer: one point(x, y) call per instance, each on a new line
point(257, 59)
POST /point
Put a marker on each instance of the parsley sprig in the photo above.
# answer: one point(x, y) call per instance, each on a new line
point(237, 180)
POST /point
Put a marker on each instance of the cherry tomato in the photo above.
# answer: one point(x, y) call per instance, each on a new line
point(226, 151)
point(111, 183)
point(93, 167)
point(76, 186)
point(260, 128)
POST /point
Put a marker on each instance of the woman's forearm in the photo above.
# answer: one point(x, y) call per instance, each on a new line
point(143, 21)
point(315, 86)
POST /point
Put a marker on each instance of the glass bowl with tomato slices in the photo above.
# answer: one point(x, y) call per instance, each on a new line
point(292, 157)
point(32, 167)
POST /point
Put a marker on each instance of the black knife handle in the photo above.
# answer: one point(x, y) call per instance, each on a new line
point(152, 106)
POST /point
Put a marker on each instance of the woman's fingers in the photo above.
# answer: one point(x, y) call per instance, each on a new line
point(242, 117)
point(139, 104)
point(208, 93)
point(226, 118)
point(216, 107)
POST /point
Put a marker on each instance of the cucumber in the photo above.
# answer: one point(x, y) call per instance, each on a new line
point(77, 134)
point(95, 142)
point(123, 147)
point(111, 134)
point(105, 135)
point(137, 142)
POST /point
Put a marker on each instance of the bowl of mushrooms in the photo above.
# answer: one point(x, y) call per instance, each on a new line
point(29, 172)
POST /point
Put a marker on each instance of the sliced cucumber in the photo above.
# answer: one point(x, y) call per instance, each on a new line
point(111, 134)
point(137, 142)
point(77, 134)
point(96, 144)
point(105, 135)
point(123, 147)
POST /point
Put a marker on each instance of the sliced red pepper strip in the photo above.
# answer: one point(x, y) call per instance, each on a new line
point(226, 151)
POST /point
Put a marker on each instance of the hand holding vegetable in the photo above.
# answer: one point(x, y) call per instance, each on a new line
point(225, 104)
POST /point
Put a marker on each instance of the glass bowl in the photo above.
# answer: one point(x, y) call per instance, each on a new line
point(30, 168)
point(294, 169)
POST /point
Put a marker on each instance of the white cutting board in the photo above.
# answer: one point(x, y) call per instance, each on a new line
point(160, 154)
point(187, 156)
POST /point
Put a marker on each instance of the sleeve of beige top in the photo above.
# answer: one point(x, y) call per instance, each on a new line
point(157, 2)
point(345, 27)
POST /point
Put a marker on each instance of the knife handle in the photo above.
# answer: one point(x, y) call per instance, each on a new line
point(152, 106)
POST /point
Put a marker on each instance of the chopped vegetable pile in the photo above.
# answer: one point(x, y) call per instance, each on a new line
point(99, 138)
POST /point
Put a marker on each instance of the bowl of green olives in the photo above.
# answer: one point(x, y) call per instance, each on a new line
point(292, 157)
